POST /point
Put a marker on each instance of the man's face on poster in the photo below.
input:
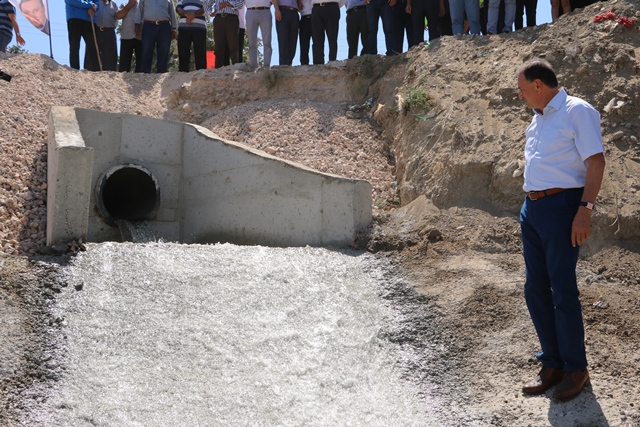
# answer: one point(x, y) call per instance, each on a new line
point(34, 11)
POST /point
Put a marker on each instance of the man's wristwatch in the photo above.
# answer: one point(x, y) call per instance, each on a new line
point(587, 205)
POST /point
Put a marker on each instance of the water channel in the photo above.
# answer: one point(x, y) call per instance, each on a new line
point(163, 334)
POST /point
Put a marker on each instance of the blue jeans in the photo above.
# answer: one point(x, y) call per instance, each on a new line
point(551, 289)
point(509, 16)
point(156, 36)
point(375, 10)
point(457, 8)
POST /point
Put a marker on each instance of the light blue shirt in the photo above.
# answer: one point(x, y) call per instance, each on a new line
point(558, 143)
point(156, 10)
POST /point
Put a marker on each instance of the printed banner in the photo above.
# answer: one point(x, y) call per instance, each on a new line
point(35, 11)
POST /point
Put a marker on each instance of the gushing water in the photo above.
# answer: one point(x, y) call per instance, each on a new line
point(224, 335)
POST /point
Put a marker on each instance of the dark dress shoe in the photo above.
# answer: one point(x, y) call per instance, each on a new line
point(571, 385)
point(545, 379)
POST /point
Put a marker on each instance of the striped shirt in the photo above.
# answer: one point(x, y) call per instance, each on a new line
point(198, 23)
point(6, 9)
point(237, 4)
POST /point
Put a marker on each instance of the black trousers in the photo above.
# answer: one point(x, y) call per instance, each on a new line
point(357, 27)
point(187, 38)
point(129, 47)
point(225, 36)
point(305, 39)
point(287, 29)
point(241, 32)
point(402, 23)
point(325, 19)
point(530, 6)
point(108, 49)
point(421, 9)
point(80, 29)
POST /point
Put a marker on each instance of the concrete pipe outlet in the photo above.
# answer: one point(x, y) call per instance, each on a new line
point(127, 192)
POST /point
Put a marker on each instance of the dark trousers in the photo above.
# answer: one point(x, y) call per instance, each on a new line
point(421, 9)
point(108, 49)
point(305, 39)
point(401, 23)
point(156, 38)
point(227, 59)
point(225, 36)
point(187, 38)
point(129, 47)
point(444, 22)
point(80, 29)
point(551, 289)
point(376, 10)
point(287, 29)
point(357, 27)
point(325, 19)
point(530, 6)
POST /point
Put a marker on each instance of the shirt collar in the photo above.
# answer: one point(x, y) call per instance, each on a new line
point(555, 103)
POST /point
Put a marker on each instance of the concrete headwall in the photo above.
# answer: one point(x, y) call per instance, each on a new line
point(211, 189)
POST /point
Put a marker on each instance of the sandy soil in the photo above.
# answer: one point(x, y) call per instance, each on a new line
point(438, 132)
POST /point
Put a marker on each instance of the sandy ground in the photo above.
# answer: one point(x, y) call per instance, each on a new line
point(438, 132)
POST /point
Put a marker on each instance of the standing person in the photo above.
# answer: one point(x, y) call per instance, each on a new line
point(402, 24)
point(130, 43)
point(509, 16)
point(357, 26)
point(530, 6)
point(259, 17)
point(305, 31)
point(242, 25)
point(458, 9)
point(325, 19)
point(421, 9)
point(287, 29)
point(80, 16)
point(106, 23)
point(8, 24)
point(225, 30)
point(192, 30)
point(376, 10)
point(156, 24)
point(564, 165)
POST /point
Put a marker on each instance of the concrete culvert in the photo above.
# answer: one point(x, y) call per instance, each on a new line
point(127, 192)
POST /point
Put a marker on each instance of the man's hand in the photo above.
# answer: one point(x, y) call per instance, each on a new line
point(392, 3)
point(173, 34)
point(581, 227)
point(278, 15)
point(190, 16)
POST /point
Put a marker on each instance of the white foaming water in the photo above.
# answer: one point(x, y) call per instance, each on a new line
point(224, 335)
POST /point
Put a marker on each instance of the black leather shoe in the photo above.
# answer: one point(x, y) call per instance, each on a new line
point(545, 379)
point(571, 385)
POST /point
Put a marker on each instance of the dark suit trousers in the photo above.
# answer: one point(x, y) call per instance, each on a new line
point(357, 26)
point(325, 19)
point(225, 36)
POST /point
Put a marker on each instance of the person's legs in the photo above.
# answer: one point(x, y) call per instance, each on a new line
point(417, 19)
point(551, 290)
point(199, 38)
point(108, 49)
point(457, 17)
point(431, 11)
point(75, 35)
point(292, 35)
point(492, 17)
point(352, 34)
point(126, 53)
point(531, 6)
point(373, 15)
point(317, 34)
point(241, 32)
point(518, 20)
point(266, 22)
point(91, 62)
point(363, 28)
point(252, 36)
point(5, 39)
point(305, 39)
point(184, 50)
point(137, 50)
point(509, 15)
point(332, 27)
point(148, 46)
point(164, 44)
point(472, 9)
point(386, 13)
point(231, 34)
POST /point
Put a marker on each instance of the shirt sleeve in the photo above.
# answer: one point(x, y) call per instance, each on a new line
point(585, 121)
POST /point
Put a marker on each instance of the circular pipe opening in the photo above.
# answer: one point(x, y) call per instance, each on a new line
point(127, 192)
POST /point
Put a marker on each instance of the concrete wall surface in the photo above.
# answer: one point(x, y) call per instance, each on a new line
point(211, 190)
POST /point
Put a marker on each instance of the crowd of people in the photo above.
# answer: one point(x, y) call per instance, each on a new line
point(149, 26)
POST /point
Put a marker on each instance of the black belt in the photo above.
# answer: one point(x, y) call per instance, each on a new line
point(353, 9)
point(106, 28)
point(325, 4)
point(156, 22)
point(224, 15)
point(289, 8)
point(259, 8)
